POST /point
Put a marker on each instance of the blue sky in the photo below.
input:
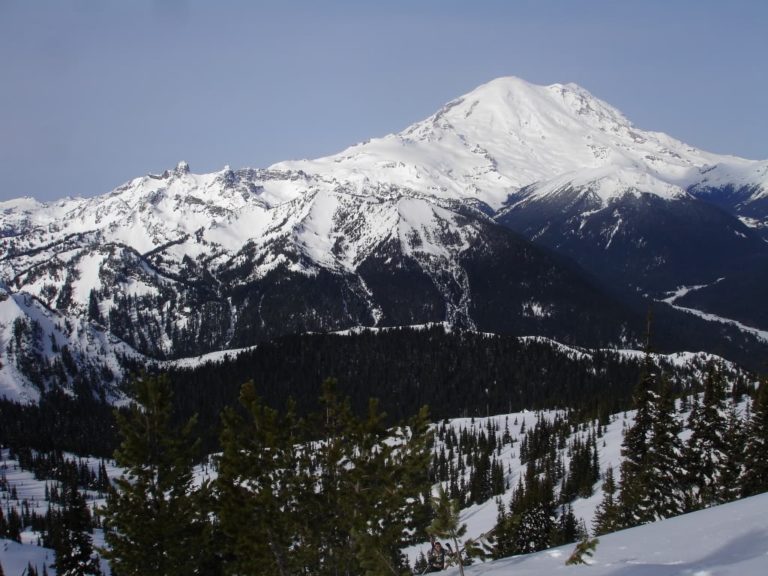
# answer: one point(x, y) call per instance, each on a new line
point(95, 92)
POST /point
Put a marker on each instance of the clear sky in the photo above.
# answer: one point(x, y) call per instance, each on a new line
point(95, 92)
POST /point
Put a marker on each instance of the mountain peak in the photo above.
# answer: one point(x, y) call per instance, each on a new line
point(181, 169)
point(508, 135)
point(517, 107)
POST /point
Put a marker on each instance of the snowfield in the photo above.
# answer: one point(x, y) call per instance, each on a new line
point(731, 539)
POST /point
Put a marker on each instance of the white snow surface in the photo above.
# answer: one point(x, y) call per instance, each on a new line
point(15, 556)
point(509, 134)
point(507, 141)
point(727, 540)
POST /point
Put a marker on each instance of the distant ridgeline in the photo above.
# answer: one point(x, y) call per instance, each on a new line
point(458, 373)
point(454, 373)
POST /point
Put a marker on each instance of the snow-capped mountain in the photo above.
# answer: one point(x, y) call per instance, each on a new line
point(509, 140)
point(405, 229)
point(181, 264)
point(569, 171)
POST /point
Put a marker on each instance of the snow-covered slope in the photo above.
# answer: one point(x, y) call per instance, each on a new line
point(727, 540)
point(509, 135)
point(39, 345)
point(505, 143)
point(180, 264)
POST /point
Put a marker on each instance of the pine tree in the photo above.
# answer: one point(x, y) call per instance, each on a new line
point(257, 504)
point(754, 479)
point(74, 546)
point(153, 521)
point(608, 514)
point(389, 471)
point(13, 525)
point(634, 496)
point(358, 480)
point(535, 530)
point(567, 529)
point(733, 467)
point(504, 532)
point(419, 567)
point(665, 477)
point(584, 548)
point(707, 451)
point(446, 525)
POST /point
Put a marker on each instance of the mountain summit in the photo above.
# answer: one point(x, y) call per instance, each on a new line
point(509, 135)
point(441, 222)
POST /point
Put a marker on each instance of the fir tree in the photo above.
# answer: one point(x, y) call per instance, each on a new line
point(707, 451)
point(74, 546)
point(665, 476)
point(358, 480)
point(389, 471)
point(153, 521)
point(13, 524)
point(419, 567)
point(446, 525)
point(754, 479)
point(256, 488)
point(535, 530)
point(733, 467)
point(584, 548)
point(634, 496)
point(608, 514)
point(567, 529)
point(504, 532)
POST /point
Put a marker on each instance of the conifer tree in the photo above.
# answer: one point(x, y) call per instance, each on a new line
point(13, 525)
point(733, 467)
point(504, 532)
point(634, 497)
point(446, 524)
point(666, 495)
point(388, 473)
point(74, 546)
point(535, 531)
point(369, 487)
point(586, 547)
point(257, 509)
point(608, 514)
point(356, 479)
point(153, 521)
point(567, 529)
point(707, 451)
point(419, 566)
point(754, 479)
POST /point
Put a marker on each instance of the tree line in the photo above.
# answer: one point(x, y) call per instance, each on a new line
point(327, 493)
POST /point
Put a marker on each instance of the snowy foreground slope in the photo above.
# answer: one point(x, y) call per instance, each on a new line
point(731, 539)
point(736, 534)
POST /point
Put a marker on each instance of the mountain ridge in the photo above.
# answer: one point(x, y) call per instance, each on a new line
point(427, 225)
